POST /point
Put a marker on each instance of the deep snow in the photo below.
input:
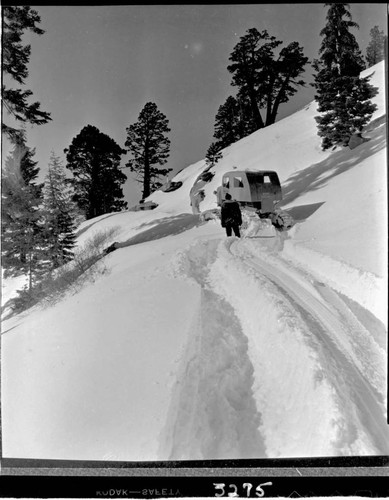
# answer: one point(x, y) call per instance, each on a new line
point(196, 346)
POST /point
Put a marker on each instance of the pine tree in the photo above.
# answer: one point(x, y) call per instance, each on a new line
point(23, 240)
point(233, 121)
point(94, 160)
point(147, 143)
point(266, 81)
point(375, 51)
point(227, 122)
point(59, 214)
point(213, 155)
point(16, 56)
point(283, 79)
point(29, 168)
point(23, 165)
point(343, 97)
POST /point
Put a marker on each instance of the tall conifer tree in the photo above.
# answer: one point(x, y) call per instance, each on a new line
point(264, 78)
point(233, 121)
point(21, 161)
point(59, 214)
point(23, 239)
point(149, 147)
point(94, 160)
point(343, 97)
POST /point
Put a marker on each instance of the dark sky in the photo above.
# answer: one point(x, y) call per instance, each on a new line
point(99, 65)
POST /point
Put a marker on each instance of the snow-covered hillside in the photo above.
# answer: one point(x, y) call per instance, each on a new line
point(197, 346)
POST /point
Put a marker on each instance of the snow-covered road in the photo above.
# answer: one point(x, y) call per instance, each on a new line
point(198, 347)
point(254, 369)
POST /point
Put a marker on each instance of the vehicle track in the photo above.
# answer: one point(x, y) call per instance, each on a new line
point(213, 414)
point(354, 361)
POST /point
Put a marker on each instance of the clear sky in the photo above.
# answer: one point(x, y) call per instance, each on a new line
point(99, 65)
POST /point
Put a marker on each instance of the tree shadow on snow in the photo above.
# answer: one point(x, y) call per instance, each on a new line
point(79, 232)
point(168, 226)
point(316, 176)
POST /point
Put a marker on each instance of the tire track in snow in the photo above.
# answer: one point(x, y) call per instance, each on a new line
point(289, 386)
point(331, 324)
point(213, 414)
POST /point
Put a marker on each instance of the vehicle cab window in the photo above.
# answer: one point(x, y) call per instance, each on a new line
point(238, 183)
point(266, 179)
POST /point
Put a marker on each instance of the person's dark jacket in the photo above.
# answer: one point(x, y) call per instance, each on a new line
point(230, 213)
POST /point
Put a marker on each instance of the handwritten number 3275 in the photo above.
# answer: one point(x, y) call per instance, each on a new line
point(259, 492)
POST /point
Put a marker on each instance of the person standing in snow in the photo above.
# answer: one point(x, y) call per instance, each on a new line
point(231, 216)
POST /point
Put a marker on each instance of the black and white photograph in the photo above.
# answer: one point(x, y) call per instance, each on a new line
point(194, 232)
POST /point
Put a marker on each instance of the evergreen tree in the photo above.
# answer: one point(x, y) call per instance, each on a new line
point(375, 51)
point(213, 155)
point(283, 80)
point(23, 240)
point(266, 81)
point(233, 121)
point(22, 163)
point(343, 97)
point(29, 169)
point(59, 214)
point(147, 143)
point(16, 56)
point(19, 180)
point(226, 121)
point(94, 160)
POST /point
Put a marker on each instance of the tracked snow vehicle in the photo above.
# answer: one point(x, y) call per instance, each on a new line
point(258, 192)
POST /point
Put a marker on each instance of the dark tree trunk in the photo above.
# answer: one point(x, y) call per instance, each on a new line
point(270, 101)
point(277, 102)
point(146, 178)
point(256, 113)
point(94, 189)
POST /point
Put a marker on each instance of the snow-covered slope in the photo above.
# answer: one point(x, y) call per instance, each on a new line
point(195, 346)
